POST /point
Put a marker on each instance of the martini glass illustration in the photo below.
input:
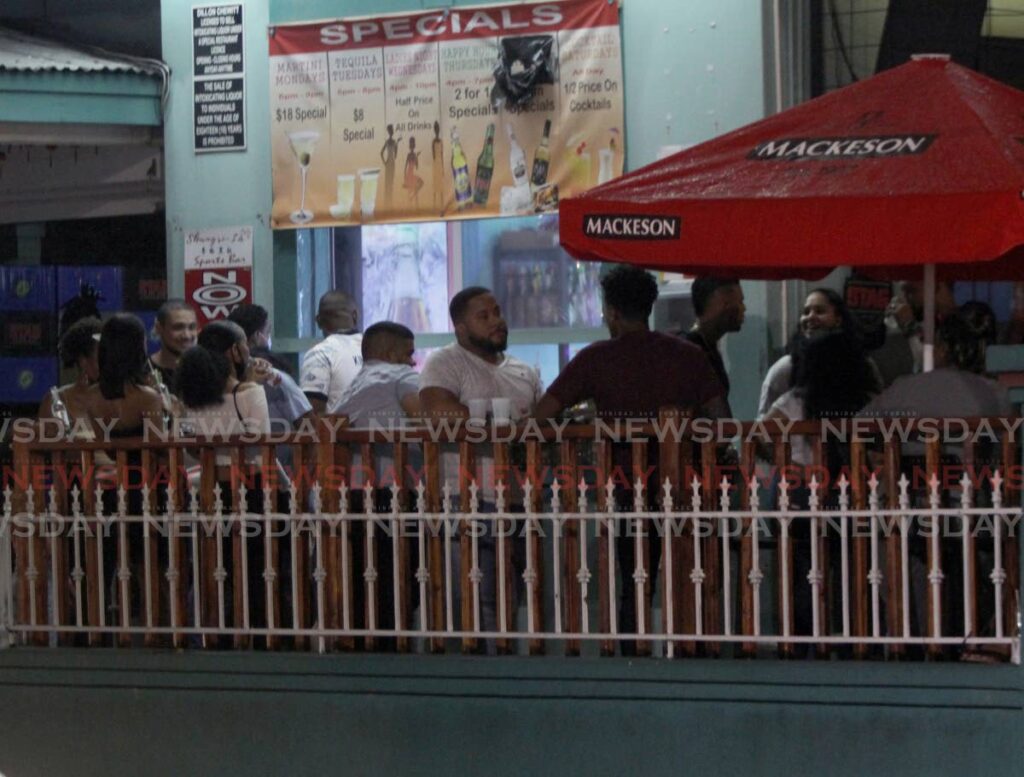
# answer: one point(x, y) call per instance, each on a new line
point(302, 146)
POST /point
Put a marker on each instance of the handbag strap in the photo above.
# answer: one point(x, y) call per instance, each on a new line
point(234, 396)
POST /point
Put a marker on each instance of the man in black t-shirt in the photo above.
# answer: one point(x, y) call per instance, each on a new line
point(718, 304)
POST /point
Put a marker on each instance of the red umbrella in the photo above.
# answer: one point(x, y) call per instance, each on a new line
point(921, 164)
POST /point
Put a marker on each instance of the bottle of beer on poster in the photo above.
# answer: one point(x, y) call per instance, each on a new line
point(460, 172)
point(516, 159)
point(541, 159)
point(484, 169)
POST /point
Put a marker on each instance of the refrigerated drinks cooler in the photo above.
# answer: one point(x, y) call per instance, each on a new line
point(542, 286)
point(408, 273)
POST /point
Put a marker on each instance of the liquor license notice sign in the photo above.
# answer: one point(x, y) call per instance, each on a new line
point(394, 118)
point(218, 78)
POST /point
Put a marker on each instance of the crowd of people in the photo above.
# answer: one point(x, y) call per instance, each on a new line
point(228, 374)
point(225, 380)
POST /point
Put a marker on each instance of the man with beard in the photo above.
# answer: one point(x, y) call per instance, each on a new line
point(475, 367)
point(177, 328)
point(218, 398)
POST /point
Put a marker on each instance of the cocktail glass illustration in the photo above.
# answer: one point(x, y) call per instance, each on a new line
point(368, 191)
point(302, 143)
point(342, 209)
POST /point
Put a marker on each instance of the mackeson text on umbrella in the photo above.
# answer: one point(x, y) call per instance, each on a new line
point(632, 226)
point(831, 148)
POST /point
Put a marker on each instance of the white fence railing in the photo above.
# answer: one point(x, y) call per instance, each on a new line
point(685, 571)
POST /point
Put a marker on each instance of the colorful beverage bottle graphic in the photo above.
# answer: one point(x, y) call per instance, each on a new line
point(484, 169)
point(516, 159)
point(460, 173)
point(541, 159)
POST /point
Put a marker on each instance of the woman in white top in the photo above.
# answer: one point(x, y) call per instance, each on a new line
point(824, 311)
point(831, 377)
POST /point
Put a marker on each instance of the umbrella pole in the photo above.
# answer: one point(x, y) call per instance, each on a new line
point(928, 355)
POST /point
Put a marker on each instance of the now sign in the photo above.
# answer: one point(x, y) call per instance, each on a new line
point(218, 271)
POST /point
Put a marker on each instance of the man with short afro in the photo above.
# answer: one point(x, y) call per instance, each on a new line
point(635, 374)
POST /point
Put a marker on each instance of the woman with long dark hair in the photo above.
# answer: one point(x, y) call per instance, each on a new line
point(824, 311)
point(78, 349)
point(123, 398)
point(122, 403)
point(831, 378)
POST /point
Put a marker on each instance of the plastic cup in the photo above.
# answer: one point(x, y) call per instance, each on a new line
point(477, 409)
point(501, 407)
point(368, 190)
point(346, 195)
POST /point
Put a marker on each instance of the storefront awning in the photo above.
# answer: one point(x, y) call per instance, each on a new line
point(51, 82)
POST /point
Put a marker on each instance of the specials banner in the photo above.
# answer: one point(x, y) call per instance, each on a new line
point(465, 112)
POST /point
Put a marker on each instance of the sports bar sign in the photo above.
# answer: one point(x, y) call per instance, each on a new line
point(218, 271)
point(457, 113)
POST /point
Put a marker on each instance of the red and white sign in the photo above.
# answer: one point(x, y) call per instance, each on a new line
point(218, 271)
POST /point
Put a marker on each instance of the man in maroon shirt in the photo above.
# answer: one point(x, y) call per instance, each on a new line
point(633, 375)
point(637, 371)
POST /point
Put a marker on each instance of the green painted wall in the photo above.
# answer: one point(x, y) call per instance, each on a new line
point(80, 98)
point(107, 712)
point(224, 189)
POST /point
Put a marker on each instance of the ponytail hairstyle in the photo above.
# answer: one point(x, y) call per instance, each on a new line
point(122, 355)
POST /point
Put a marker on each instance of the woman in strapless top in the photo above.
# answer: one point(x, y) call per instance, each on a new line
point(78, 349)
point(219, 401)
point(123, 399)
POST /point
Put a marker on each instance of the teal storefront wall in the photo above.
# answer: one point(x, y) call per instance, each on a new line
point(80, 98)
point(692, 70)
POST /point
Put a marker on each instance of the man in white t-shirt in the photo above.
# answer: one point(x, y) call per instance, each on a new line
point(476, 367)
point(330, 366)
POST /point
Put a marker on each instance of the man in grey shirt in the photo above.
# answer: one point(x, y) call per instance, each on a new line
point(384, 393)
point(386, 390)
